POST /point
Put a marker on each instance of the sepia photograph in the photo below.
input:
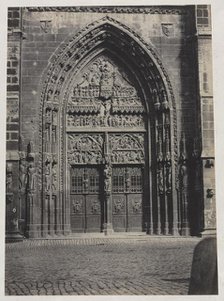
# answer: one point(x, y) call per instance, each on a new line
point(110, 153)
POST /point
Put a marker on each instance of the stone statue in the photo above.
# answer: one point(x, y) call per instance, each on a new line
point(54, 118)
point(8, 177)
point(47, 175)
point(107, 178)
point(184, 175)
point(160, 180)
point(54, 178)
point(168, 177)
point(31, 177)
point(22, 172)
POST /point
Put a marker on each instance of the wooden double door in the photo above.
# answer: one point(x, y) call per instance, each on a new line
point(88, 203)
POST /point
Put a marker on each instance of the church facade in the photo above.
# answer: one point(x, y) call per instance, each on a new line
point(109, 121)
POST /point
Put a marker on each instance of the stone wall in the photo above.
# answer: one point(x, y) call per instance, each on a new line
point(12, 130)
point(206, 117)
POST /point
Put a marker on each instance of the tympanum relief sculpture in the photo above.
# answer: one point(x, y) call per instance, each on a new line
point(104, 100)
point(104, 97)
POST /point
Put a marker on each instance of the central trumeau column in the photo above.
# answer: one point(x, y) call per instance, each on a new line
point(108, 226)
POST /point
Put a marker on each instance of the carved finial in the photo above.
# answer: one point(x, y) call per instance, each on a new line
point(30, 153)
point(21, 142)
point(30, 147)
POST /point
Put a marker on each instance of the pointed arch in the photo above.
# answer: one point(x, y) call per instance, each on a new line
point(109, 35)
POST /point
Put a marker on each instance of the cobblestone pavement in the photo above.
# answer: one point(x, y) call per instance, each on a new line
point(99, 266)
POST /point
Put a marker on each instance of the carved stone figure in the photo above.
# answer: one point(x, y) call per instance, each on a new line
point(165, 103)
point(85, 148)
point(54, 118)
point(54, 134)
point(184, 175)
point(47, 175)
point(127, 148)
point(136, 205)
point(8, 177)
point(168, 177)
point(77, 206)
point(48, 116)
point(118, 205)
point(95, 207)
point(160, 179)
point(31, 177)
point(159, 143)
point(22, 172)
point(107, 178)
point(54, 176)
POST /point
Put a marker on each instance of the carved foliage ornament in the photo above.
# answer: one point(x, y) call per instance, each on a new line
point(113, 9)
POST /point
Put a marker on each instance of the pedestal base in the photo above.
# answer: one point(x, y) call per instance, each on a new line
point(209, 232)
point(185, 231)
point(13, 237)
point(175, 232)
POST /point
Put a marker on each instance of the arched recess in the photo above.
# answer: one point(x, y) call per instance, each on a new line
point(108, 36)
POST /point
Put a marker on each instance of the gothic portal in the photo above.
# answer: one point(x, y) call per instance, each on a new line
point(105, 131)
point(106, 163)
point(112, 127)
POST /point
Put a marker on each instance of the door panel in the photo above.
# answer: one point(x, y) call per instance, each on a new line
point(77, 210)
point(134, 212)
point(119, 212)
point(85, 199)
point(127, 194)
point(93, 213)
